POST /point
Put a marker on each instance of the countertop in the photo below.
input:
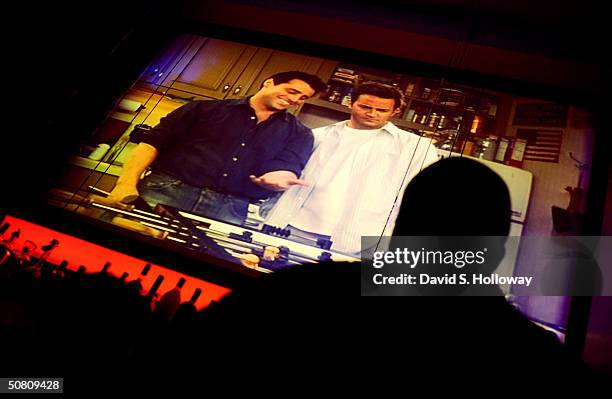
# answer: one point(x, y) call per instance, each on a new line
point(98, 166)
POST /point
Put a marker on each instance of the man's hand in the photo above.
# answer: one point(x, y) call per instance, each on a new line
point(125, 193)
point(279, 180)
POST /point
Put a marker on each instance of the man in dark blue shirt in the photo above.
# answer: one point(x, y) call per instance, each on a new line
point(215, 157)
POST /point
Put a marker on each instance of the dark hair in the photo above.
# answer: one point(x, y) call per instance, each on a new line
point(455, 196)
point(379, 90)
point(313, 81)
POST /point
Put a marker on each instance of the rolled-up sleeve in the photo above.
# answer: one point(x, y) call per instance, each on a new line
point(172, 126)
point(294, 156)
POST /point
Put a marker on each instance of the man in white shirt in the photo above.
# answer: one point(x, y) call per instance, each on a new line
point(356, 174)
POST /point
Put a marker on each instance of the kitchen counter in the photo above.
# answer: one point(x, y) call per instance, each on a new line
point(98, 166)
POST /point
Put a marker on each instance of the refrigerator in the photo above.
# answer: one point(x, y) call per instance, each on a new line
point(519, 184)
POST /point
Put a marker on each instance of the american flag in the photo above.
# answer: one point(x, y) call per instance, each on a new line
point(542, 145)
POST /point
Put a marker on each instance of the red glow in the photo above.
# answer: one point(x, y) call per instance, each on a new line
point(79, 252)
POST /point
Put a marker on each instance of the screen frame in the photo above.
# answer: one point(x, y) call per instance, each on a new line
point(139, 49)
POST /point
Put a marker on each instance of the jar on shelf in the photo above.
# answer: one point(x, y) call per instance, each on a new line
point(410, 114)
point(334, 95)
point(492, 148)
point(347, 97)
point(451, 97)
point(325, 93)
point(493, 110)
point(433, 120)
point(442, 122)
point(486, 148)
point(453, 123)
point(409, 89)
point(468, 147)
point(516, 152)
point(464, 145)
point(502, 149)
point(476, 122)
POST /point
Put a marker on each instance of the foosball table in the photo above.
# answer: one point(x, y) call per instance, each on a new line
point(264, 249)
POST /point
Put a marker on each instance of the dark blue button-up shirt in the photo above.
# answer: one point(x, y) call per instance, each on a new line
point(218, 144)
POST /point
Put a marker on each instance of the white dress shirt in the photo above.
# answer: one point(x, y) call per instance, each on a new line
point(381, 168)
point(319, 212)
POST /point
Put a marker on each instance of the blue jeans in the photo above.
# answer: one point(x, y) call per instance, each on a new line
point(161, 188)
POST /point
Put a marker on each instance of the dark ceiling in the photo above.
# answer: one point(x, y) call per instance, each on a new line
point(562, 29)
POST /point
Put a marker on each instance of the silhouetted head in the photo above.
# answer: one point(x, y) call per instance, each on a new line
point(455, 196)
point(455, 206)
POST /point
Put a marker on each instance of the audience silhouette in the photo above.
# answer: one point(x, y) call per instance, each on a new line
point(311, 314)
point(306, 323)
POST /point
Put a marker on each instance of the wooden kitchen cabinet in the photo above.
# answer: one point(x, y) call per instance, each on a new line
point(210, 67)
point(166, 61)
point(274, 62)
point(197, 67)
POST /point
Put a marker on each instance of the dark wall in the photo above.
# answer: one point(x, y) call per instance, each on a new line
point(66, 64)
point(565, 29)
point(69, 61)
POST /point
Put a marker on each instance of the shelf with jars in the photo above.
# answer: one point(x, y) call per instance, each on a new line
point(456, 117)
point(444, 105)
point(346, 77)
point(460, 119)
point(346, 110)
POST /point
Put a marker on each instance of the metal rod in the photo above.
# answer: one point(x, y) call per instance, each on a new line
point(110, 208)
point(92, 188)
